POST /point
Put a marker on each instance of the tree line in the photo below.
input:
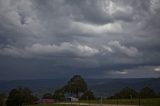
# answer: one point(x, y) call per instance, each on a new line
point(127, 93)
point(20, 96)
point(75, 87)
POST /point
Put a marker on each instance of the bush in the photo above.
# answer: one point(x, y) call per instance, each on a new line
point(88, 95)
point(19, 97)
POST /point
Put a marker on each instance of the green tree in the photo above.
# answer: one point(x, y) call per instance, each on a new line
point(14, 98)
point(76, 85)
point(147, 93)
point(88, 95)
point(26, 93)
point(2, 97)
point(20, 96)
point(126, 93)
point(47, 96)
point(59, 95)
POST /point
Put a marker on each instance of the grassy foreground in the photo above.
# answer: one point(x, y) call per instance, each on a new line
point(142, 102)
point(54, 105)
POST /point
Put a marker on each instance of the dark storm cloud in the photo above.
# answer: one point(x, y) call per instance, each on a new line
point(95, 38)
point(86, 11)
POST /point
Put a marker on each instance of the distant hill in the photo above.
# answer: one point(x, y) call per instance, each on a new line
point(107, 87)
point(101, 87)
point(38, 86)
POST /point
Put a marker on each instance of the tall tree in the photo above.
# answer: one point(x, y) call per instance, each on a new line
point(76, 85)
point(147, 93)
point(59, 95)
point(2, 97)
point(14, 98)
point(27, 95)
point(47, 96)
point(126, 93)
point(20, 96)
point(88, 95)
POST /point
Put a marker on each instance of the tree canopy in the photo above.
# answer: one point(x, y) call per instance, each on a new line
point(47, 96)
point(88, 95)
point(131, 93)
point(147, 93)
point(2, 97)
point(126, 93)
point(59, 95)
point(20, 96)
point(76, 85)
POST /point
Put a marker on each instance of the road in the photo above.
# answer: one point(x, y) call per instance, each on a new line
point(87, 104)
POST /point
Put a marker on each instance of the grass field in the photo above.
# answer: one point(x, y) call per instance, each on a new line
point(54, 105)
point(143, 102)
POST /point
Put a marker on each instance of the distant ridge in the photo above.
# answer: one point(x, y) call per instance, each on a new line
point(107, 87)
point(101, 87)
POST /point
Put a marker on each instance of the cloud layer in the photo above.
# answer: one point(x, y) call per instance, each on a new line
point(88, 37)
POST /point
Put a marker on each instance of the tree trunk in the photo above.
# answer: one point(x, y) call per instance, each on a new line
point(77, 94)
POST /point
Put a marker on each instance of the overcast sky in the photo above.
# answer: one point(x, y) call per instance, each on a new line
point(94, 38)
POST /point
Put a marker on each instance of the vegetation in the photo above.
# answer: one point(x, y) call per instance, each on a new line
point(76, 85)
point(19, 97)
point(148, 93)
point(129, 93)
point(126, 93)
point(56, 105)
point(2, 97)
point(88, 95)
point(142, 102)
point(47, 96)
point(59, 95)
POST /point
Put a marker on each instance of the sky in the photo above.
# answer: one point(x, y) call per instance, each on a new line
point(42, 39)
